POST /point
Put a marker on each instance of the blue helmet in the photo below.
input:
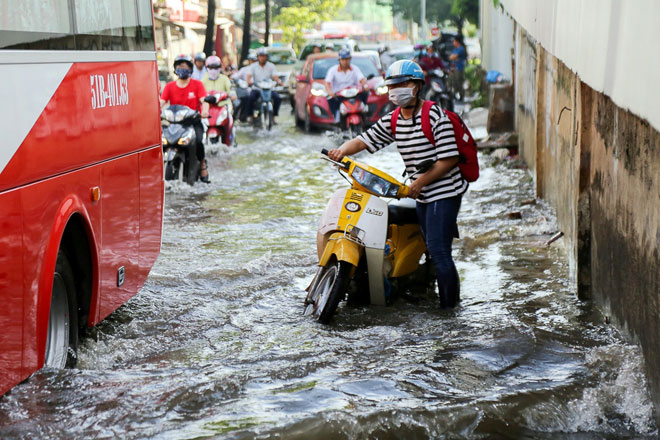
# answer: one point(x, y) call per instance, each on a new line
point(344, 53)
point(402, 71)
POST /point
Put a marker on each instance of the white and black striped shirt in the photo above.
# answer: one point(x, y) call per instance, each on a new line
point(415, 148)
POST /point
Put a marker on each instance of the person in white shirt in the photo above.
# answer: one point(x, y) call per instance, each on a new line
point(341, 76)
point(199, 70)
point(260, 71)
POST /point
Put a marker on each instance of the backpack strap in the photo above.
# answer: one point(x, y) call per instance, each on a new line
point(395, 118)
point(426, 121)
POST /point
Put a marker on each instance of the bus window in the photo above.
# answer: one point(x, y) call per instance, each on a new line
point(76, 25)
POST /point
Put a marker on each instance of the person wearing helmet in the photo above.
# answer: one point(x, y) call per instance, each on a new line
point(199, 71)
point(317, 48)
point(243, 71)
point(341, 76)
point(215, 80)
point(430, 59)
point(191, 93)
point(439, 190)
point(259, 71)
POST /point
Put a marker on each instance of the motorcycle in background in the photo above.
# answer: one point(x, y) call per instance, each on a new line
point(365, 243)
point(220, 124)
point(351, 111)
point(180, 143)
point(264, 105)
point(436, 89)
point(240, 106)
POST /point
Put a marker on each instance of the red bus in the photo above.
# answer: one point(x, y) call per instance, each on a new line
point(81, 172)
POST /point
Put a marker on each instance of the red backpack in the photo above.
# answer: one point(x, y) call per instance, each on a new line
point(467, 147)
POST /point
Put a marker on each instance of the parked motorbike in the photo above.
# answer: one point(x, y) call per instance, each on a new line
point(351, 111)
point(240, 106)
point(436, 89)
point(220, 125)
point(180, 143)
point(264, 106)
point(364, 244)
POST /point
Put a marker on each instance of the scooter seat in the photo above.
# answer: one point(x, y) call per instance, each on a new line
point(402, 212)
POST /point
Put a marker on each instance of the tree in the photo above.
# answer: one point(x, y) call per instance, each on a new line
point(247, 15)
point(267, 32)
point(209, 42)
point(305, 14)
point(437, 10)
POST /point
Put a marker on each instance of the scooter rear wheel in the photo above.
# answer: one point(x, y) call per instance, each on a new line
point(331, 288)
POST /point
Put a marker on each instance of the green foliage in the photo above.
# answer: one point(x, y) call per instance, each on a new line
point(304, 14)
point(475, 76)
point(436, 10)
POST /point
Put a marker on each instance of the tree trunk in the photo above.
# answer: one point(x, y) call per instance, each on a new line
point(247, 18)
point(267, 33)
point(209, 42)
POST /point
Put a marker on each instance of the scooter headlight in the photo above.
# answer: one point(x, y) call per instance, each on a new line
point(164, 140)
point(185, 139)
point(223, 114)
point(374, 183)
point(436, 86)
point(381, 90)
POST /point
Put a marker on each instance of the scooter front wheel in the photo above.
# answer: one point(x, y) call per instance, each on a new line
point(323, 300)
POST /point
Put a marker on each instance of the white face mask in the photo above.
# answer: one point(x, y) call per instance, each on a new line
point(401, 96)
point(214, 74)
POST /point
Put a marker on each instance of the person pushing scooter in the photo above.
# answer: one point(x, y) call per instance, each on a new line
point(438, 191)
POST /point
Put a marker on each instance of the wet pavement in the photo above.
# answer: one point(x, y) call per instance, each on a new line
point(215, 345)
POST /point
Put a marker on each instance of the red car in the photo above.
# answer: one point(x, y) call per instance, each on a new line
point(311, 103)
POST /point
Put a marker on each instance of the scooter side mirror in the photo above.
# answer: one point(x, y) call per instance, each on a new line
point(425, 166)
point(301, 78)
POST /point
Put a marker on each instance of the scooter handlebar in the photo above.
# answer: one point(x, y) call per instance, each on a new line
point(324, 151)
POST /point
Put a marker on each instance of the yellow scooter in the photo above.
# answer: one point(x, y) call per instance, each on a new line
point(363, 241)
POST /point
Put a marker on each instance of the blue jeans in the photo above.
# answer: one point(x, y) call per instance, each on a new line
point(254, 97)
point(438, 222)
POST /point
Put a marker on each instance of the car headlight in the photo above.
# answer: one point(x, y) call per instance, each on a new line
point(381, 90)
point(318, 90)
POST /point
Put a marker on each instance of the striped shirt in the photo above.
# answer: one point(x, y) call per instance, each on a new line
point(415, 148)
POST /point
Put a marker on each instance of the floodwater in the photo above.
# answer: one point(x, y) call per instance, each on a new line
point(215, 344)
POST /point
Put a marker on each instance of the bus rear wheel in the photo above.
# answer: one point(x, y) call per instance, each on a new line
point(62, 337)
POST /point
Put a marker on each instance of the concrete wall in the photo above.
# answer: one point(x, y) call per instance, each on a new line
point(611, 44)
point(590, 134)
point(624, 211)
point(496, 40)
point(525, 95)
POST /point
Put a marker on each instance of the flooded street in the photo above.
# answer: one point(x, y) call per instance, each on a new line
point(215, 344)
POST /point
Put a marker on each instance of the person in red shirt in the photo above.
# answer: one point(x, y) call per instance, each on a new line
point(431, 60)
point(191, 93)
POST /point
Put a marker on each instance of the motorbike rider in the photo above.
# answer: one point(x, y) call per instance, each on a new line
point(260, 71)
point(341, 76)
point(438, 191)
point(243, 71)
point(199, 70)
point(191, 93)
point(215, 80)
point(430, 60)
